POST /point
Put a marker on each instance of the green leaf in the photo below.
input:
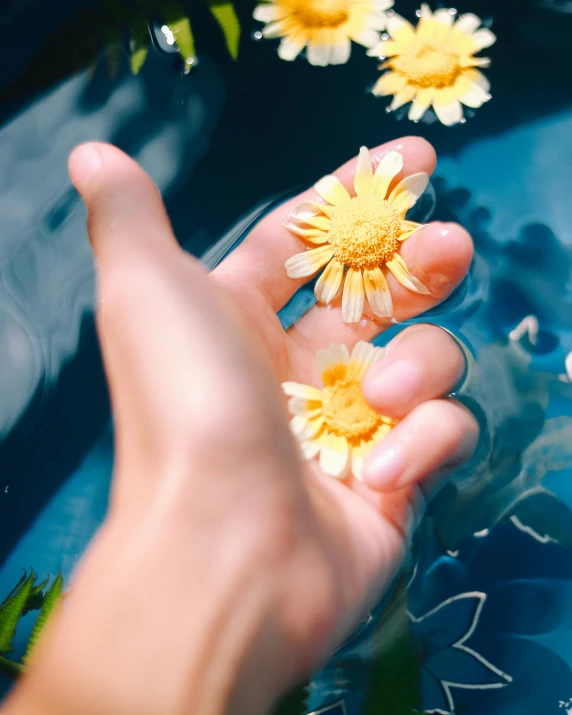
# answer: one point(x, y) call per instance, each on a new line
point(176, 18)
point(15, 589)
point(10, 668)
point(36, 597)
point(51, 600)
point(11, 610)
point(140, 41)
point(293, 702)
point(395, 685)
point(226, 17)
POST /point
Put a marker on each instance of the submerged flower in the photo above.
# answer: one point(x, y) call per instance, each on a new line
point(434, 64)
point(362, 233)
point(336, 422)
point(324, 26)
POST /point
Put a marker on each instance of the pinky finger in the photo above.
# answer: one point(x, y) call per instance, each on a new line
point(435, 435)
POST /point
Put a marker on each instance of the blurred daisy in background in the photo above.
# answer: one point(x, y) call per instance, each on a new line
point(363, 233)
point(433, 65)
point(336, 422)
point(325, 27)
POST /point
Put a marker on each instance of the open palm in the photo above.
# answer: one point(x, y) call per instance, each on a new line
point(194, 363)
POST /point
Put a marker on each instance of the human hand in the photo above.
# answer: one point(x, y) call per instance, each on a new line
point(227, 568)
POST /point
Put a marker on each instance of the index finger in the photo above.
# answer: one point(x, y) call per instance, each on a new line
point(259, 261)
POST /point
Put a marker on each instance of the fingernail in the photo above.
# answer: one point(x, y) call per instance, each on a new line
point(399, 382)
point(383, 469)
point(84, 163)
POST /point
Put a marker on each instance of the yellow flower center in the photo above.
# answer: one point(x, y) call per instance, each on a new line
point(346, 413)
point(430, 64)
point(318, 14)
point(364, 232)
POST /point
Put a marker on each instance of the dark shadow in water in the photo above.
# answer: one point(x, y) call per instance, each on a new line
point(51, 439)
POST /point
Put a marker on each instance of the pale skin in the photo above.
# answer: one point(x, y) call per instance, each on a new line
point(228, 569)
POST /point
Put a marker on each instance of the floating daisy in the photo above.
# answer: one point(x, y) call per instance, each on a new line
point(434, 64)
point(363, 233)
point(336, 422)
point(326, 27)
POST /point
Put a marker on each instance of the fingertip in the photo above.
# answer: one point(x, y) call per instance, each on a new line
point(440, 255)
point(84, 163)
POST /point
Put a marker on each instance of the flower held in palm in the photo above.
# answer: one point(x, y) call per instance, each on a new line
point(434, 64)
point(363, 233)
point(336, 422)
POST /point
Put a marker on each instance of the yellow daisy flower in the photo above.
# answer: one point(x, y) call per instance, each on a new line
point(336, 422)
point(434, 64)
point(324, 26)
point(362, 233)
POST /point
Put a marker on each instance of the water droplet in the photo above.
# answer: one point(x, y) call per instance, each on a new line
point(419, 13)
point(166, 30)
point(388, 110)
point(452, 11)
point(390, 13)
point(257, 35)
point(385, 37)
point(489, 96)
point(463, 120)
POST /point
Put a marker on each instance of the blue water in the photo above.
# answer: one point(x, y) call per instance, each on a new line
point(490, 575)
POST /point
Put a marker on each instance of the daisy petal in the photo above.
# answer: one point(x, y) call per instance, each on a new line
point(323, 223)
point(318, 54)
point(304, 429)
point(289, 48)
point(383, 5)
point(406, 95)
point(368, 37)
point(310, 449)
point(266, 13)
point(478, 78)
point(449, 114)
point(389, 83)
point(353, 298)
point(306, 208)
point(401, 272)
point(309, 263)
point(274, 29)
point(297, 389)
point(386, 48)
point(407, 192)
point(340, 52)
point(334, 456)
point(332, 363)
point(408, 228)
point(471, 95)
point(331, 189)
point(328, 284)
point(399, 29)
point(483, 38)
point(378, 293)
point(312, 235)
point(444, 21)
point(467, 23)
point(421, 104)
point(363, 181)
point(363, 356)
point(387, 169)
point(377, 22)
point(303, 407)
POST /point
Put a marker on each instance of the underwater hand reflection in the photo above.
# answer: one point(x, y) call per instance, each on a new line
point(206, 465)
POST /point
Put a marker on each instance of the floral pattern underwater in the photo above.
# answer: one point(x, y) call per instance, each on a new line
point(431, 66)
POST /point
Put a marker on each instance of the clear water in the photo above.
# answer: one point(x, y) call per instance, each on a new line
point(490, 577)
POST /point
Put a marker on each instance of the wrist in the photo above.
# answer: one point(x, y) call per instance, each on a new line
point(211, 659)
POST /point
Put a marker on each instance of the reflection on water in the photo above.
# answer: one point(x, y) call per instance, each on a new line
point(485, 621)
